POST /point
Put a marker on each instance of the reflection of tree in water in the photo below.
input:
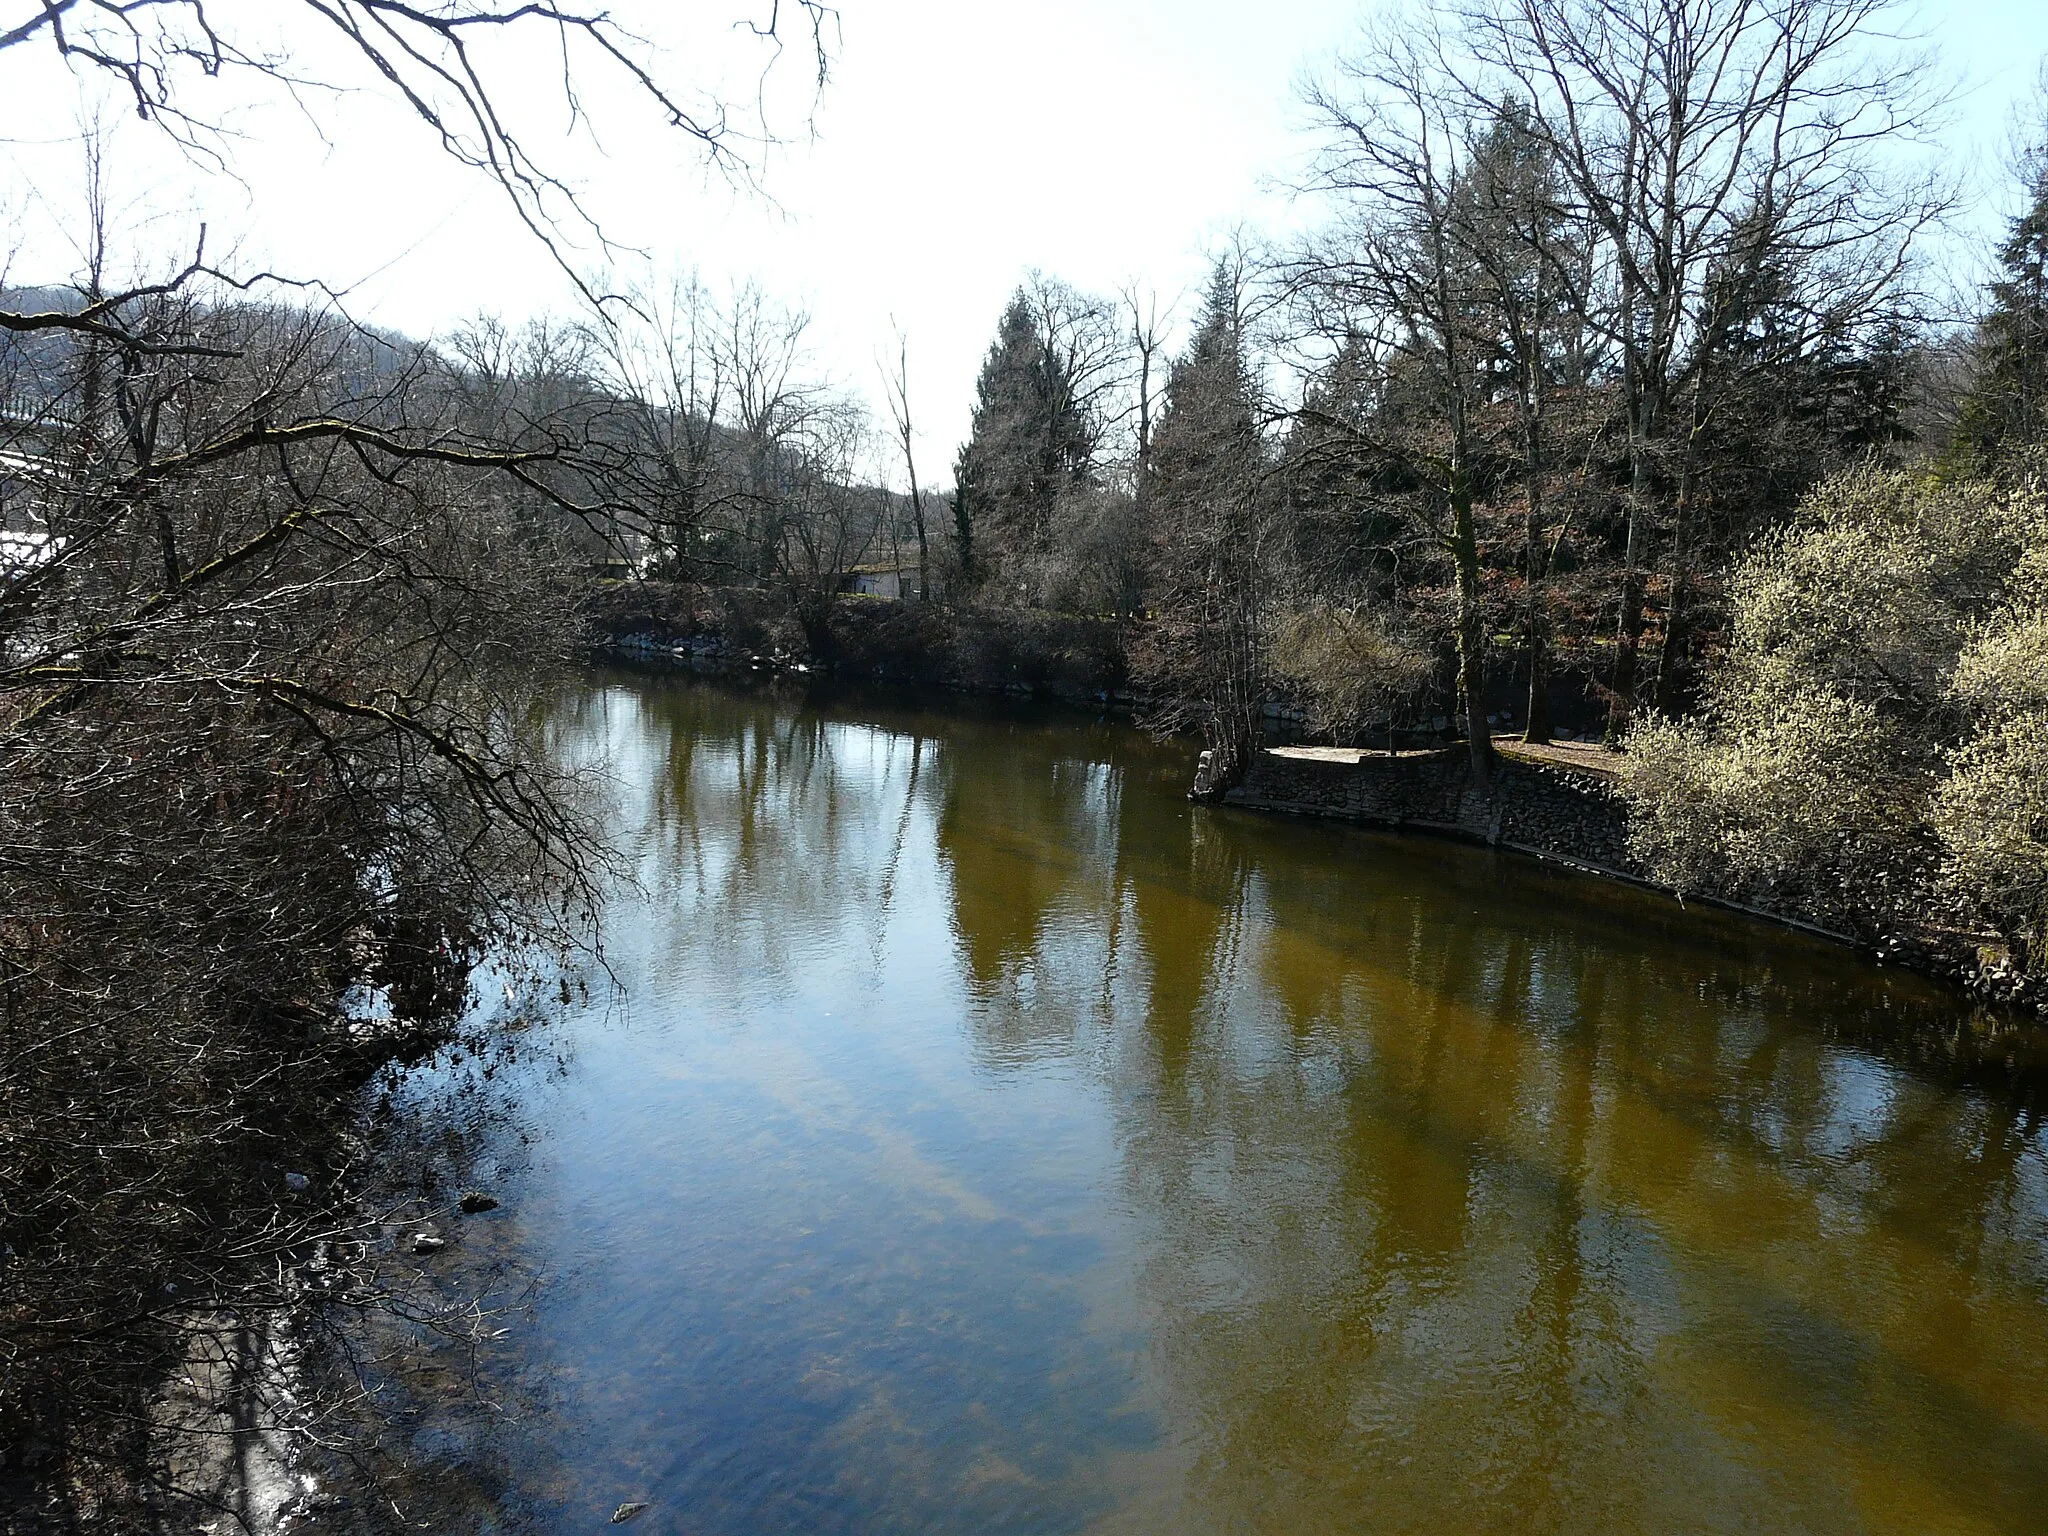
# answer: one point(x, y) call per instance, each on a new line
point(1027, 839)
point(1013, 832)
point(1187, 904)
point(764, 829)
point(1459, 1193)
point(1465, 1194)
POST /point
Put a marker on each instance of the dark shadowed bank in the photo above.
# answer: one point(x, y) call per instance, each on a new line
point(1024, 652)
point(1567, 813)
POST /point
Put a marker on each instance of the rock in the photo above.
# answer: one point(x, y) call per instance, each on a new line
point(476, 1200)
point(626, 1512)
point(297, 1183)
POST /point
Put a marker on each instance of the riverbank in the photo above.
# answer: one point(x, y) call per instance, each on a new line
point(1565, 815)
point(1018, 652)
point(1565, 807)
point(1561, 804)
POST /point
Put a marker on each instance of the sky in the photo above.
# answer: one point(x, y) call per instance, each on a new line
point(955, 147)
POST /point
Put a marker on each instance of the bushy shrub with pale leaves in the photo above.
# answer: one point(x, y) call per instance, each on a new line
point(1808, 804)
point(1875, 749)
point(1991, 813)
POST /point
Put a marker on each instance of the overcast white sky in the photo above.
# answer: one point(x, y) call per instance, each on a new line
point(957, 146)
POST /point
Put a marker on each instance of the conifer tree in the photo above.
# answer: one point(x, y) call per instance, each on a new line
point(1203, 659)
point(1528, 270)
point(1028, 441)
point(2008, 405)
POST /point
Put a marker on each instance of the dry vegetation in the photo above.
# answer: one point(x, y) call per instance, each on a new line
point(279, 599)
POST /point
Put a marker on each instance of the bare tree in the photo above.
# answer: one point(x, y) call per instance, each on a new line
point(668, 364)
point(1203, 659)
point(826, 515)
point(1147, 342)
point(264, 732)
point(1700, 137)
point(896, 387)
point(272, 623)
point(1531, 267)
point(721, 442)
point(1086, 358)
point(1393, 276)
point(539, 388)
point(434, 58)
point(773, 394)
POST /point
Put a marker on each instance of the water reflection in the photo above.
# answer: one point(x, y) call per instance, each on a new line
point(992, 1141)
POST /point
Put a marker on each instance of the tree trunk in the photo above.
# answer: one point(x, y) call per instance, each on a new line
point(1671, 660)
point(1535, 570)
point(814, 618)
point(1628, 632)
point(924, 560)
point(1234, 735)
point(1678, 624)
point(1537, 731)
point(167, 547)
point(1471, 639)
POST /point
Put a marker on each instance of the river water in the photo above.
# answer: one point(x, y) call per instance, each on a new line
point(984, 1139)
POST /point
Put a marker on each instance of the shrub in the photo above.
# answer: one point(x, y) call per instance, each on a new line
point(1873, 750)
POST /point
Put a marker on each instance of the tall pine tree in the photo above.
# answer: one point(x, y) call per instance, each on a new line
point(2008, 404)
point(1027, 443)
point(1203, 660)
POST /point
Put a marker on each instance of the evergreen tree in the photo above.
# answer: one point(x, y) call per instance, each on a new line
point(1786, 388)
point(2008, 406)
point(1203, 658)
point(963, 521)
point(1529, 272)
point(1337, 539)
point(1028, 442)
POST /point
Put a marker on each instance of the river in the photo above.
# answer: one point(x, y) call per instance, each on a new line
point(981, 1138)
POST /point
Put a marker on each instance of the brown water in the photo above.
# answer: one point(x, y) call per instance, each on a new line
point(989, 1140)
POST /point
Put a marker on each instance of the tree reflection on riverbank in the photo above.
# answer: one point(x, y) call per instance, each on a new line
point(992, 1140)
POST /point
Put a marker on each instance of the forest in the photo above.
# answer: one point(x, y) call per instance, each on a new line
point(1621, 389)
point(1615, 388)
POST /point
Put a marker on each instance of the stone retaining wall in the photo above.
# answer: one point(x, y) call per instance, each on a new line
point(1569, 817)
point(1550, 812)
